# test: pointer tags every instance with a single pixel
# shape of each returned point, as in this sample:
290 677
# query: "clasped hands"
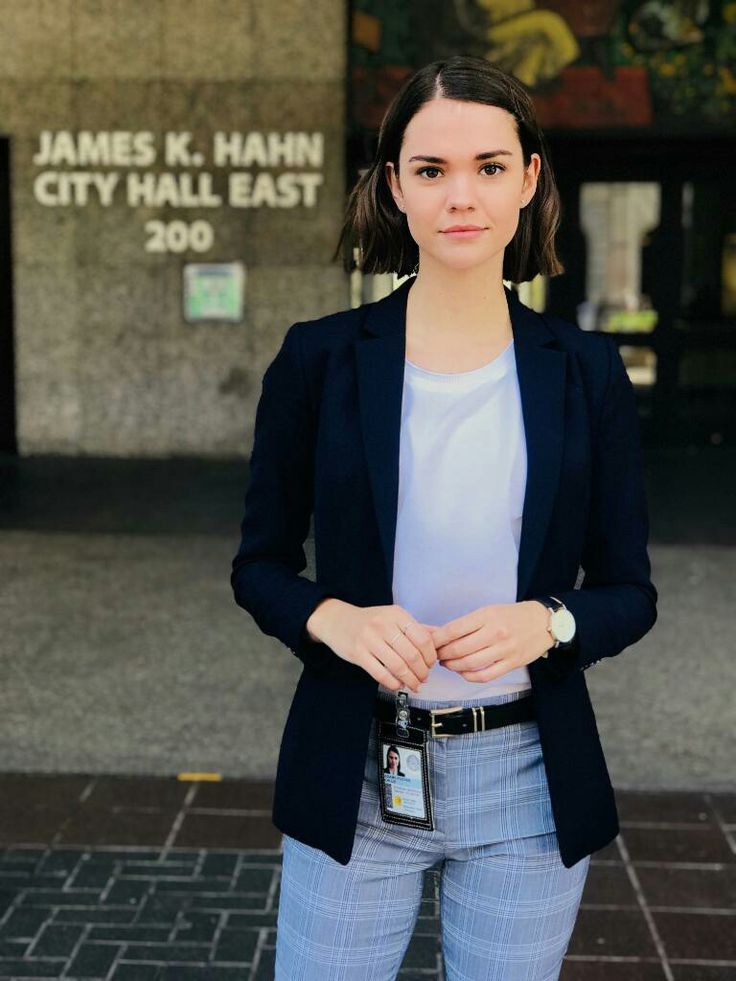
489 642
399 651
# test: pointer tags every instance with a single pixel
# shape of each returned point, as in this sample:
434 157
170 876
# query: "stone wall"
106 364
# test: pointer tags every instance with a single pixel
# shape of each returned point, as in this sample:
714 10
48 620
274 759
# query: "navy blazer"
326 442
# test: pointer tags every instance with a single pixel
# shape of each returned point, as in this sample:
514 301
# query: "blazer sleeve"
278 504
617 601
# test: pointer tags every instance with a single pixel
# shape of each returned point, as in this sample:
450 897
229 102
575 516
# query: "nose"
460 194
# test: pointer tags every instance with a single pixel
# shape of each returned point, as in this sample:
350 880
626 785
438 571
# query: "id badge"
403 776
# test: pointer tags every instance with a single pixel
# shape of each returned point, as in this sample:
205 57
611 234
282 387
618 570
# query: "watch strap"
552 603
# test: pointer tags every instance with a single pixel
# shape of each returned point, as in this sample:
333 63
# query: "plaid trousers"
507 903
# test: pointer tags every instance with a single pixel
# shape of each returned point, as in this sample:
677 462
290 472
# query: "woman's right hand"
361 635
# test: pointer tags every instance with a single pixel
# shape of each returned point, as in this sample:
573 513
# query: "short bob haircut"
379 230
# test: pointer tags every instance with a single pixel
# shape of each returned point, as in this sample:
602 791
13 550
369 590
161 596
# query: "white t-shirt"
462 477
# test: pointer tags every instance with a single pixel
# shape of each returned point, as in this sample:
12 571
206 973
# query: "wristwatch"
561 622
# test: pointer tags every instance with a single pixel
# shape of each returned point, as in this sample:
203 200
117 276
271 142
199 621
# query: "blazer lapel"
541 371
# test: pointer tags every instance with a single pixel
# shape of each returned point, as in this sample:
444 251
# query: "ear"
394 186
531 176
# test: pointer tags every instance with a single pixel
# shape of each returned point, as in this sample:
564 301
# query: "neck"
458 305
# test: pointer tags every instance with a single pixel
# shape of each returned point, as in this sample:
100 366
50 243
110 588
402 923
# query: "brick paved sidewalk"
141 879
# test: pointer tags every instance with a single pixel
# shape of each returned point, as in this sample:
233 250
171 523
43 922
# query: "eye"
423 170
499 167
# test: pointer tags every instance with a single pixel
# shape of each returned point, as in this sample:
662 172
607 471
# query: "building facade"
173 175
173 190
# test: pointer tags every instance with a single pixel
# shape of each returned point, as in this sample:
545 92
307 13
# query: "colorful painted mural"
664 66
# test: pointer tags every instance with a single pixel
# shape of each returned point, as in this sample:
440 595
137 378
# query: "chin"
461 263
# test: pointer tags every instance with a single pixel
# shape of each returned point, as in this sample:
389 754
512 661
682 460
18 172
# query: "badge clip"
402 713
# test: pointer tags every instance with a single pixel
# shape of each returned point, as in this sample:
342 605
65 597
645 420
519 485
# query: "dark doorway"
648 238
8 442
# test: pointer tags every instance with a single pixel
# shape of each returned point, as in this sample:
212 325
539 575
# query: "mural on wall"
663 65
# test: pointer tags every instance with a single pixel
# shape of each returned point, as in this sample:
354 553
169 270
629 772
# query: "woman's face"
455 188
393 761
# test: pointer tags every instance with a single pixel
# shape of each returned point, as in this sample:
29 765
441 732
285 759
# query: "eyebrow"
478 156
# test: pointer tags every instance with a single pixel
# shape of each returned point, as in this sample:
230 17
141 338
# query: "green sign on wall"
214 291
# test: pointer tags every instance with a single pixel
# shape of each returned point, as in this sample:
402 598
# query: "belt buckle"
442 711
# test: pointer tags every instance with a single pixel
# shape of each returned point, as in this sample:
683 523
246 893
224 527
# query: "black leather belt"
454 720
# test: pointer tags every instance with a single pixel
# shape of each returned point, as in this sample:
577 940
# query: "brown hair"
379 229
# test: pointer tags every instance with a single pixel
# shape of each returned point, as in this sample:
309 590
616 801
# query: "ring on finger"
401 631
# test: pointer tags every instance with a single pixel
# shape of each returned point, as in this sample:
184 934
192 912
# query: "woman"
393 762
463 457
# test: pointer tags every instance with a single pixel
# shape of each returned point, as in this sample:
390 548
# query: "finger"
397 665
489 673
401 674
472 662
469 644
381 674
420 636
454 629
411 653
405 678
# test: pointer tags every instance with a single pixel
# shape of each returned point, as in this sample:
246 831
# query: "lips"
463 228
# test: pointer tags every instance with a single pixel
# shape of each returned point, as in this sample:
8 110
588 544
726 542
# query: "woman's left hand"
492 640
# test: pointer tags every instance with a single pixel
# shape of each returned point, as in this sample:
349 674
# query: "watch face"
563 625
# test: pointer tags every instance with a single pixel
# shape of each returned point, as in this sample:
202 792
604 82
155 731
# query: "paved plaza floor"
126 662
149 878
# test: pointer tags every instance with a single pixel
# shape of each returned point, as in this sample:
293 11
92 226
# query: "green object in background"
214 291
641 321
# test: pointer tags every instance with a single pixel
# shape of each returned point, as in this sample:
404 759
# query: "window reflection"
616 219
641 364
728 276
